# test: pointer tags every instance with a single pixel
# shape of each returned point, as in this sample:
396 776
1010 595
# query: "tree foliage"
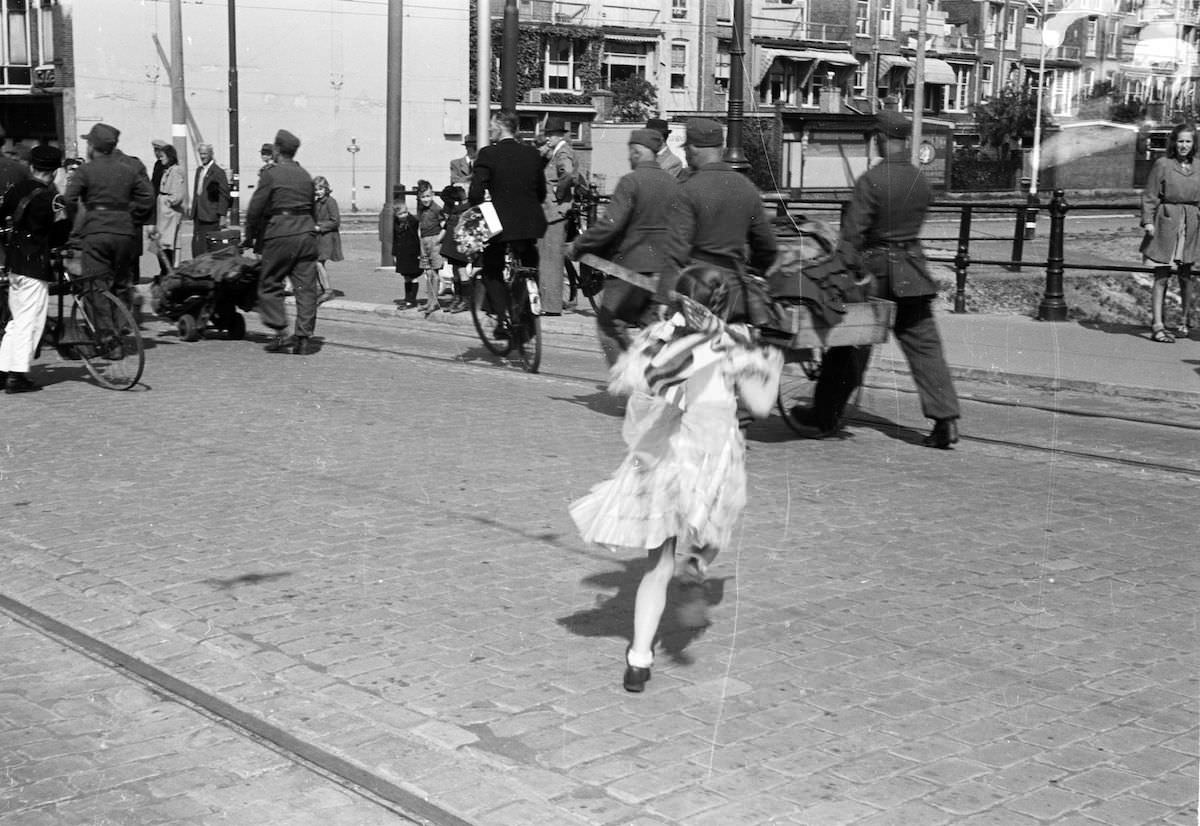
1010 115
634 99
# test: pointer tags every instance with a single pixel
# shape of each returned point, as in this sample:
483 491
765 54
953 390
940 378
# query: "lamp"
1051 39
353 150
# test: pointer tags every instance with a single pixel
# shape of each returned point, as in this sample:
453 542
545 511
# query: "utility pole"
178 100
737 90
508 57
919 83
392 186
483 72
235 193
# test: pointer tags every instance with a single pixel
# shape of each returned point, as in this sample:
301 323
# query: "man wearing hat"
560 193
210 199
632 234
461 168
718 218
116 198
36 227
882 226
281 225
667 159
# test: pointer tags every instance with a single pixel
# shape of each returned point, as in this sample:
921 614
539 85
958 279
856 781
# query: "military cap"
893 124
287 142
267 149
648 138
102 136
45 158
554 124
660 126
704 132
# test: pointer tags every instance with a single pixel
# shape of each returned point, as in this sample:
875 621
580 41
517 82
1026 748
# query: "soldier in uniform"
881 227
631 234
717 218
560 186
116 199
281 226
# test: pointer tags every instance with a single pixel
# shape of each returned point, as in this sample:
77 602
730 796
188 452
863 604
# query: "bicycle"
519 325
115 359
582 278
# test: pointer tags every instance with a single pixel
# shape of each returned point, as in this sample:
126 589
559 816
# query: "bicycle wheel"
115 360
526 324
486 321
800 369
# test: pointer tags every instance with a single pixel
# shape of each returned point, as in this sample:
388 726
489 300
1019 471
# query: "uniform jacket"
169 205
512 173
116 197
883 222
460 171
560 181
1170 202
210 196
633 230
282 205
38 228
329 237
718 217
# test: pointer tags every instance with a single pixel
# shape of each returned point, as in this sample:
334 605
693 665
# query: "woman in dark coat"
1171 221
329 239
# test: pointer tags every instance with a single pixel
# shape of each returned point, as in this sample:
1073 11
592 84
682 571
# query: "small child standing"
329 238
429 215
455 201
406 251
682 484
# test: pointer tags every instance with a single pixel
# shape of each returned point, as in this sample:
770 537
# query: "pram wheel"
235 327
189 328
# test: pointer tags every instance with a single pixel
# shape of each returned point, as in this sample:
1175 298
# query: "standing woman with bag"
1171 221
168 204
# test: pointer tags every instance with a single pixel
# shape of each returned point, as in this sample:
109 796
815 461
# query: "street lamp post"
1051 38
353 150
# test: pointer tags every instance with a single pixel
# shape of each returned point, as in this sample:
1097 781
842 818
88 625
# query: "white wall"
314 67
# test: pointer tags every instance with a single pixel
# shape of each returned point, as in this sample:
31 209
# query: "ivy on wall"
531 47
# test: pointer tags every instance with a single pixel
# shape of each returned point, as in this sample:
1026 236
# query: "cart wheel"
800 368
235 327
189 330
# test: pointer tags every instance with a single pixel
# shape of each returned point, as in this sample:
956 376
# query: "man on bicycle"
36 224
116 199
632 233
511 173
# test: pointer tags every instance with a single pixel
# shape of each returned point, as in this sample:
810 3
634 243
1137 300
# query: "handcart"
208 290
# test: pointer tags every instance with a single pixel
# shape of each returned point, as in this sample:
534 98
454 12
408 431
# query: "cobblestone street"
369 549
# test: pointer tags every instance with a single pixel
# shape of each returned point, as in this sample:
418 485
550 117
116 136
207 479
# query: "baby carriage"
209 290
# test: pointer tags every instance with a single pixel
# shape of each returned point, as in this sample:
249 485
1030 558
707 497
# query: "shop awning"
767 57
887 62
936 71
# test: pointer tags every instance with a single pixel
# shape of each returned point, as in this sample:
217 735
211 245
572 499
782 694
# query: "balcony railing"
1034 51
773 27
958 43
548 11
640 16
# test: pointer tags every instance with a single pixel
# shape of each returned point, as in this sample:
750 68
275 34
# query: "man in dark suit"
210 199
461 168
631 234
281 225
511 173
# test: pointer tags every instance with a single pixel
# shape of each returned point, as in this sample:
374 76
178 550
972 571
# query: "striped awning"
767 58
936 71
887 62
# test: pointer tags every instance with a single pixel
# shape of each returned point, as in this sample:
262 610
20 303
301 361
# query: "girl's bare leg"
1185 298
1158 297
650 602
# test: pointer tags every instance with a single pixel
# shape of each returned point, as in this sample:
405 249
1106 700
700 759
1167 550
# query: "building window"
46 53
560 64
862 18
1112 49
860 77
1010 28
621 61
887 23
721 67
678 65
1091 37
678 9
986 73
15 58
959 98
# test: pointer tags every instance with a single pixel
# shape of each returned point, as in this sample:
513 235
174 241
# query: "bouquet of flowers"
472 232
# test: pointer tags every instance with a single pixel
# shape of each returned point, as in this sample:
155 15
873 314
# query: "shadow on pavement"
599 402
684 620
1141 331
246 579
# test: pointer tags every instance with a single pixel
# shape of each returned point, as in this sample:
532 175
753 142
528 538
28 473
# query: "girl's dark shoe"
944 434
19 383
636 679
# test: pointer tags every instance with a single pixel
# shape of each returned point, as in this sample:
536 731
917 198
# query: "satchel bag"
902 269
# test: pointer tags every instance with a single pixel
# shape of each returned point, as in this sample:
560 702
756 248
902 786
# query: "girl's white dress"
684 475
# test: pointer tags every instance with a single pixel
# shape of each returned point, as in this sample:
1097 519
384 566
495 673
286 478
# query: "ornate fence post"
962 260
1053 307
